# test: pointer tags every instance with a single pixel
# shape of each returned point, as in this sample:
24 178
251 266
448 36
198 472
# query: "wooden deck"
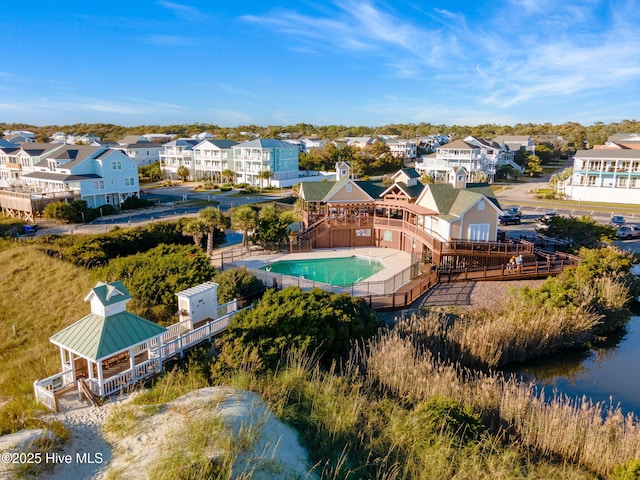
409 293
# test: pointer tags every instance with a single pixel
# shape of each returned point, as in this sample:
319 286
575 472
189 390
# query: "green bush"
628 471
237 283
132 203
314 321
154 277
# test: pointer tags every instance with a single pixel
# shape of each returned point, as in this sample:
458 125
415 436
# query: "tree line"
574 133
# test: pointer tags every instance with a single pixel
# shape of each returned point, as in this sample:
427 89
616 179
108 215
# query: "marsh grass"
489 339
595 436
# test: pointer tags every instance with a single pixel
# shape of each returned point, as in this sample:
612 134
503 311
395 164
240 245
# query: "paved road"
172 208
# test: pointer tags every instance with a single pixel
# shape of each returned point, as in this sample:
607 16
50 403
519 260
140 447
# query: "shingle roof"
464 200
607 154
60 177
484 189
315 191
372 189
443 195
96 337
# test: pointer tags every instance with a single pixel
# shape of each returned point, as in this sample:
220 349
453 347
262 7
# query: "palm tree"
214 219
227 175
197 229
264 175
244 218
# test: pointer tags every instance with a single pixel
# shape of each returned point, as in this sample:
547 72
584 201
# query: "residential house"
406 149
211 158
19 136
359 142
139 149
516 142
266 154
175 154
609 175
98 175
474 154
16 159
305 145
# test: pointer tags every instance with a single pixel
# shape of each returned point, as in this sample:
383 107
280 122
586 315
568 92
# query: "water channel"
609 374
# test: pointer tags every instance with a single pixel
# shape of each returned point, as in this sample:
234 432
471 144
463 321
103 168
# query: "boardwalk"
413 290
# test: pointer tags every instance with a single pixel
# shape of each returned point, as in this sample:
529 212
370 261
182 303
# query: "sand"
273 447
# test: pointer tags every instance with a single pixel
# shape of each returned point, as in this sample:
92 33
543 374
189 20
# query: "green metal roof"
96 337
110 293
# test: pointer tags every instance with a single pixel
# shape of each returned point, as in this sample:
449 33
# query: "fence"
363 289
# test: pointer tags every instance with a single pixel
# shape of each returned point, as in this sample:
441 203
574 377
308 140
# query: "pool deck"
394 260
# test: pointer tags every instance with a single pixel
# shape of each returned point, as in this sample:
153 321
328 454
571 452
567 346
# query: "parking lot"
531 215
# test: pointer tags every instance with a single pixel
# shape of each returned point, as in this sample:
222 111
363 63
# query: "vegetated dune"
214 429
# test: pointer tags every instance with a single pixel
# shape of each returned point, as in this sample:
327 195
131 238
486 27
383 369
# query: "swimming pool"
335 271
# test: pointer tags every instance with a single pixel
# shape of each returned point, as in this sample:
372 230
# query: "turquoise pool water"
335 271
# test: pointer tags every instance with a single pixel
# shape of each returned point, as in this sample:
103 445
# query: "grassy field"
42 295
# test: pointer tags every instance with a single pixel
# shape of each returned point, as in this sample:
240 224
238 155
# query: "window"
348 187
116 165
481 205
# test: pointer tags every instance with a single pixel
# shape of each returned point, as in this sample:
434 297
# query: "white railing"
173 342
178 345
45 389
129 377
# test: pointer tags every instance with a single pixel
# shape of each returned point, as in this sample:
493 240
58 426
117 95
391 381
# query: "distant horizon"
207 124
329 62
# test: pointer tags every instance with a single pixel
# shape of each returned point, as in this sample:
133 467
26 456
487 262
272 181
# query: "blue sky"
349 62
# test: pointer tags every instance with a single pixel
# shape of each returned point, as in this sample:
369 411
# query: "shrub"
154 277
313 321
132 203
237 283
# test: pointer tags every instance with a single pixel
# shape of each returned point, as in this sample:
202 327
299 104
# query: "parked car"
616 221
514 211
549 215
628 231
509 220
30 229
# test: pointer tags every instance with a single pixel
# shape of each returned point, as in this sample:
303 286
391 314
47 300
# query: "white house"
16 159
139 149
406 149
266 154
98 175
175 154
474 154
211 158
605 175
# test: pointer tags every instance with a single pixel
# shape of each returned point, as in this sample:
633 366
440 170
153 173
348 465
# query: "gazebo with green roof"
110 347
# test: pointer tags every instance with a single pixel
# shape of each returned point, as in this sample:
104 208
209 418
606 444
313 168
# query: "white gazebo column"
100 378
132 363
63 358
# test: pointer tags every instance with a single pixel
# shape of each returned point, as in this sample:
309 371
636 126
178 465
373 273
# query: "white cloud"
186 12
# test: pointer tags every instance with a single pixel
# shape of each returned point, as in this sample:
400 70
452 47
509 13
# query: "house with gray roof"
609 175
98 175
266 156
